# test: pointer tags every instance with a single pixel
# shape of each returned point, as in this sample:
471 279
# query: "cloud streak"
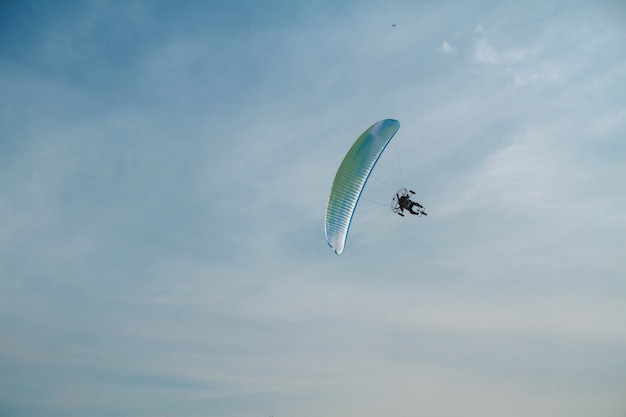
164 174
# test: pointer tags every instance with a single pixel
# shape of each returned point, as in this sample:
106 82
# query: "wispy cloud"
485 53
448 49
163 179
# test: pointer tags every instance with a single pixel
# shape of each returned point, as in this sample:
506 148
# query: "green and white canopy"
351 178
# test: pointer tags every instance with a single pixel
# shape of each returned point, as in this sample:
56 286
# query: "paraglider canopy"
351 177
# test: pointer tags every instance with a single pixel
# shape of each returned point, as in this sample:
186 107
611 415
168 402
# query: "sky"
164 174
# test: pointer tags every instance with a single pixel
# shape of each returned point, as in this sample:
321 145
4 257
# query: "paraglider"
351 178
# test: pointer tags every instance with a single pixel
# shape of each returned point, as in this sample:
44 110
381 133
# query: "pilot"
406 203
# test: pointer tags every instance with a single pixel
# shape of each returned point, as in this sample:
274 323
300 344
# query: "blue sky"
164 172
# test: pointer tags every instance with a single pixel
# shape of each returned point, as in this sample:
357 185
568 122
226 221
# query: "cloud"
448 49
484 53
163 213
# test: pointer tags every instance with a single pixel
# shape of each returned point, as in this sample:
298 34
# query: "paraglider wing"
351 178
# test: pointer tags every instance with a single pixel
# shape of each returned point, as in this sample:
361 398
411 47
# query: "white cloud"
520 79
172 248
448 49
484 52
